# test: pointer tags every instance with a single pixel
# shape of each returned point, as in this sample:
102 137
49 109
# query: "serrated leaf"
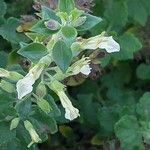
127 131
66 5
62 55
6 135
8 31
88 109
48 13
117 13
138 11
23 107
118 76
129 45
90 22
43 121
14 144
33 51
143 71
6 105
143 106
5 101
3 7
55 112
107 118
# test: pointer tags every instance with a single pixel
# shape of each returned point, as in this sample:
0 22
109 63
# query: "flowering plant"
61 56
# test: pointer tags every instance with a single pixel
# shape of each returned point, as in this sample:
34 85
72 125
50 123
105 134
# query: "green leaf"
23 108
127 131
3 7
62 55
118 76
6 135
138 11
35 36
88 109
69 34
48 13
145 127
90 22
55 112
33 51
107 118
123 97
5 101
40 27
117 13
7 86
6 105
143 107
146 4
15 144
3 59
143 71
66 5
43 121
8 31
129 45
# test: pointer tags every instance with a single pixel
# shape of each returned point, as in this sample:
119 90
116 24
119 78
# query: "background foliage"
115 101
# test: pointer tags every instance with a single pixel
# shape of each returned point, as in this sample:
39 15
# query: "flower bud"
44 105
15 76
14 123
52 24
6 86
41 90
4 73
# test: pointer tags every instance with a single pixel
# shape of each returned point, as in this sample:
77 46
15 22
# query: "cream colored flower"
25 85
101 41
71 112
34 136
81 66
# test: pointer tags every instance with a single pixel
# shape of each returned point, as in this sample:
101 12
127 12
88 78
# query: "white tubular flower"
81 66
70 111
25 85
101 41
4 73
34 136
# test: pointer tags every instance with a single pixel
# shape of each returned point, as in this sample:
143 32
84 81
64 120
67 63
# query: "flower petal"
71 115
91 43
24 86
86 70
109 44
